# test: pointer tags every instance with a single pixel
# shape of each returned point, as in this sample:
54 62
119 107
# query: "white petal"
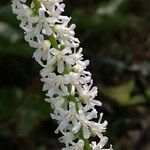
86 132
103 142
60 67
92 114
76 127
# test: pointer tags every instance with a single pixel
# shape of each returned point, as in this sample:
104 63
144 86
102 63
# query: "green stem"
53 41
86 141
86 145
36 7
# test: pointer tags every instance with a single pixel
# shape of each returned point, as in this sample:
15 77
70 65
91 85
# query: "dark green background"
115 36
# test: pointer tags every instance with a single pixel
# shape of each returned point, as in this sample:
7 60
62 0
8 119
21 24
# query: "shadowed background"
115 35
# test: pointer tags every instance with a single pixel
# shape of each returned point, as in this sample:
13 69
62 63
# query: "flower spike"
69 86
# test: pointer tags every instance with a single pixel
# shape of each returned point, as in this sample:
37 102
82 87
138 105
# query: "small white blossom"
76 146
52 5
60 58
66 35
56 85
101 144
56 103
47 70
44 23
17 6
29 32
98 128
43 49
84 122
67 138
65 117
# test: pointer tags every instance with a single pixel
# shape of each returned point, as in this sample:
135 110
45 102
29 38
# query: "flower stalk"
69 87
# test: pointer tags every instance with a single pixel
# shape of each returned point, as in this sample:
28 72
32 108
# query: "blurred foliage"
115 35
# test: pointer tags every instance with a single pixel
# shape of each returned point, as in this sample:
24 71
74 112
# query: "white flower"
66 35
25 12
47 70
80 66
44 23
52 5
29 32
60 58
84 122
56 103
43 49
60 115
87 92
76 146
67 138
79 79
100 145
98 128
65 117
78 56
17 6
92 104
56 85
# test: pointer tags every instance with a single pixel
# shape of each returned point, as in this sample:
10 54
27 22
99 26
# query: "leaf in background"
120 93
110 8
137 99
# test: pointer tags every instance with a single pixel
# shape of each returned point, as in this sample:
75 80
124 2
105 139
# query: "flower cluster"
69 87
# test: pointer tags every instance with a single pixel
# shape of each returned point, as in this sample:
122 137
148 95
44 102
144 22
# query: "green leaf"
120 93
